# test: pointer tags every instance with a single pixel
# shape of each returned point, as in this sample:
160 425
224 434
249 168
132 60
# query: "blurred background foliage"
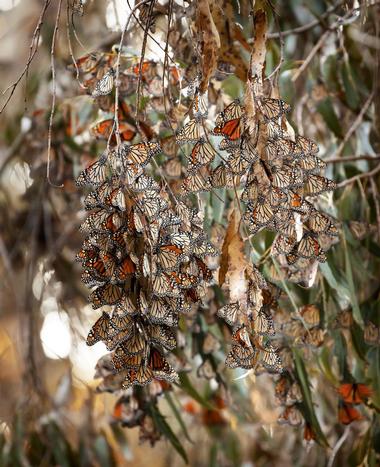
50 413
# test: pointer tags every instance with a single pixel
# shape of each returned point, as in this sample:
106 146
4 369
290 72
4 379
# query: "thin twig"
355 124
33 48
52 51
306 27
309 58
343 160
341 21
372 173
338 445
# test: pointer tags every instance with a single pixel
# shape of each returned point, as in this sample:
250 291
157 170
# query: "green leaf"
165 429
177 415
336 282
186 385
326 109
308 401
325 365
352 96
356 313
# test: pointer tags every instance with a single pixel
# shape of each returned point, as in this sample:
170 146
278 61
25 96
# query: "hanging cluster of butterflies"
281 178
97 71
143 258
277 176
280 175
302 330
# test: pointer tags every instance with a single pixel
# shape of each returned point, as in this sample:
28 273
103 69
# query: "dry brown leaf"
259 49
210 42
233 261
224 15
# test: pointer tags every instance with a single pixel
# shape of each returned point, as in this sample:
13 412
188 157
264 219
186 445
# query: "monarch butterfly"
115 339
298 204
95 174
227 144
232 112
125 269
104 129
204 270
102 220
86 63
126 306
108 294
286 177
169 257
153 206
315 185
290 416
229 313
135 344
311 164
260 216
105 85
161 335
310 314
206 370
202 154
242 357
354 393
120 320
270 295
194 183
95 199
204 248
241 336
141 153
274 130
100 330
144 182
148 69
86 253
271 360
307 146
163 286
262 323
348 414
279 149
160 367
272 109
161 312
98 266
236 163
183 280
122 361
169 146
230 129
309 247
169 220
190 133
321 223
173 168
140 377
282 245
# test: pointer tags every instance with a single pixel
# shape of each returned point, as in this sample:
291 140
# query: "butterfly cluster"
143 258
281 178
